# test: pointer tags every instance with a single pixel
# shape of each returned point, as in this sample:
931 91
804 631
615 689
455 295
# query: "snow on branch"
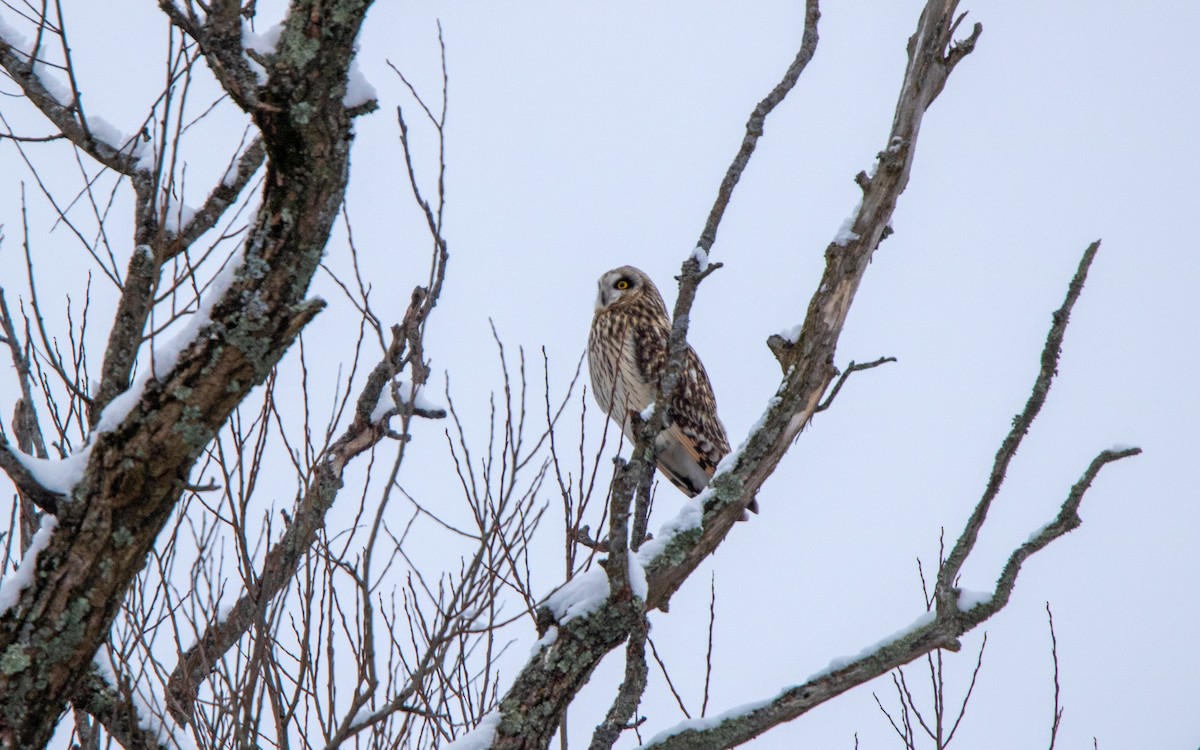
60 105
958 611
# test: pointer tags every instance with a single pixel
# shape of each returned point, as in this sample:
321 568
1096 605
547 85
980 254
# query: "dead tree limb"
952 615
138 464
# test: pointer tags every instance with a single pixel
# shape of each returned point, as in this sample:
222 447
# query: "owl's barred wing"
694 441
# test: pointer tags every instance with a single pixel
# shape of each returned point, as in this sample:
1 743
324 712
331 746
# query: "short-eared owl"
627 355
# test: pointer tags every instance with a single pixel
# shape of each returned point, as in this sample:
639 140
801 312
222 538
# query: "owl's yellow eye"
622 284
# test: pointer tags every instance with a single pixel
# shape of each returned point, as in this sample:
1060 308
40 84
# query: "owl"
627 355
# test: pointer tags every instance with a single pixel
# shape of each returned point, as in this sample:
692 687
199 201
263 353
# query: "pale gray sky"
587 136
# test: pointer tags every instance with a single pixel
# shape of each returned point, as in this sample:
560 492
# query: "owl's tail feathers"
688 487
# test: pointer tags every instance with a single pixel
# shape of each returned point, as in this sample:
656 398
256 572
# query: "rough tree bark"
137 470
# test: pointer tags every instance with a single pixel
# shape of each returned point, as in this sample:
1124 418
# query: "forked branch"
951 618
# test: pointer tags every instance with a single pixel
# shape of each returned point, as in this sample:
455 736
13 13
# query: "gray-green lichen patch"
677 551
14 660
302 113
295 48
254 267
190 427
346 13
121 537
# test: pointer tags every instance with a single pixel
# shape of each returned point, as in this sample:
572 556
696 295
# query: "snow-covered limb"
706 723
940 628
15 582
937 629
103 543
957 611
12 462
741 724
479 738
56 101
580 596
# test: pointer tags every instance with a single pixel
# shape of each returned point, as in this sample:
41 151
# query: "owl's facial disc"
612 285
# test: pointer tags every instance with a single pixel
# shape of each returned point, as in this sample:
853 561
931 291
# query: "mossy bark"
138 471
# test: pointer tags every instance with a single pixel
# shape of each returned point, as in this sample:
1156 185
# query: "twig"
756 123
851 369
1058 709
667 676
712 621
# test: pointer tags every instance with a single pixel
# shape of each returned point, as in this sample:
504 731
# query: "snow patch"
166 354
845 661
637 578
792 335
59 476
727 463
263 44
178 215
580 596
707 722
546 641
647 413
1037 532
846 233
479 738
57 88
147 154
700 255
968 599
359 90
689 517
14 38
16 582
105 131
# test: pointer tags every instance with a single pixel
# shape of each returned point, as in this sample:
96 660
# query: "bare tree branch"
137 471
949 572
115 712
66 117
951 618
1058 709
549 681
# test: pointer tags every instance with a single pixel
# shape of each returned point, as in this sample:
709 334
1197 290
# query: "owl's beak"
601 301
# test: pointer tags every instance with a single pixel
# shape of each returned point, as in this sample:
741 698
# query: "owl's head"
627 285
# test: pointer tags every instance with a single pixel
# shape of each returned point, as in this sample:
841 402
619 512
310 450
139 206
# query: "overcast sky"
587 136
